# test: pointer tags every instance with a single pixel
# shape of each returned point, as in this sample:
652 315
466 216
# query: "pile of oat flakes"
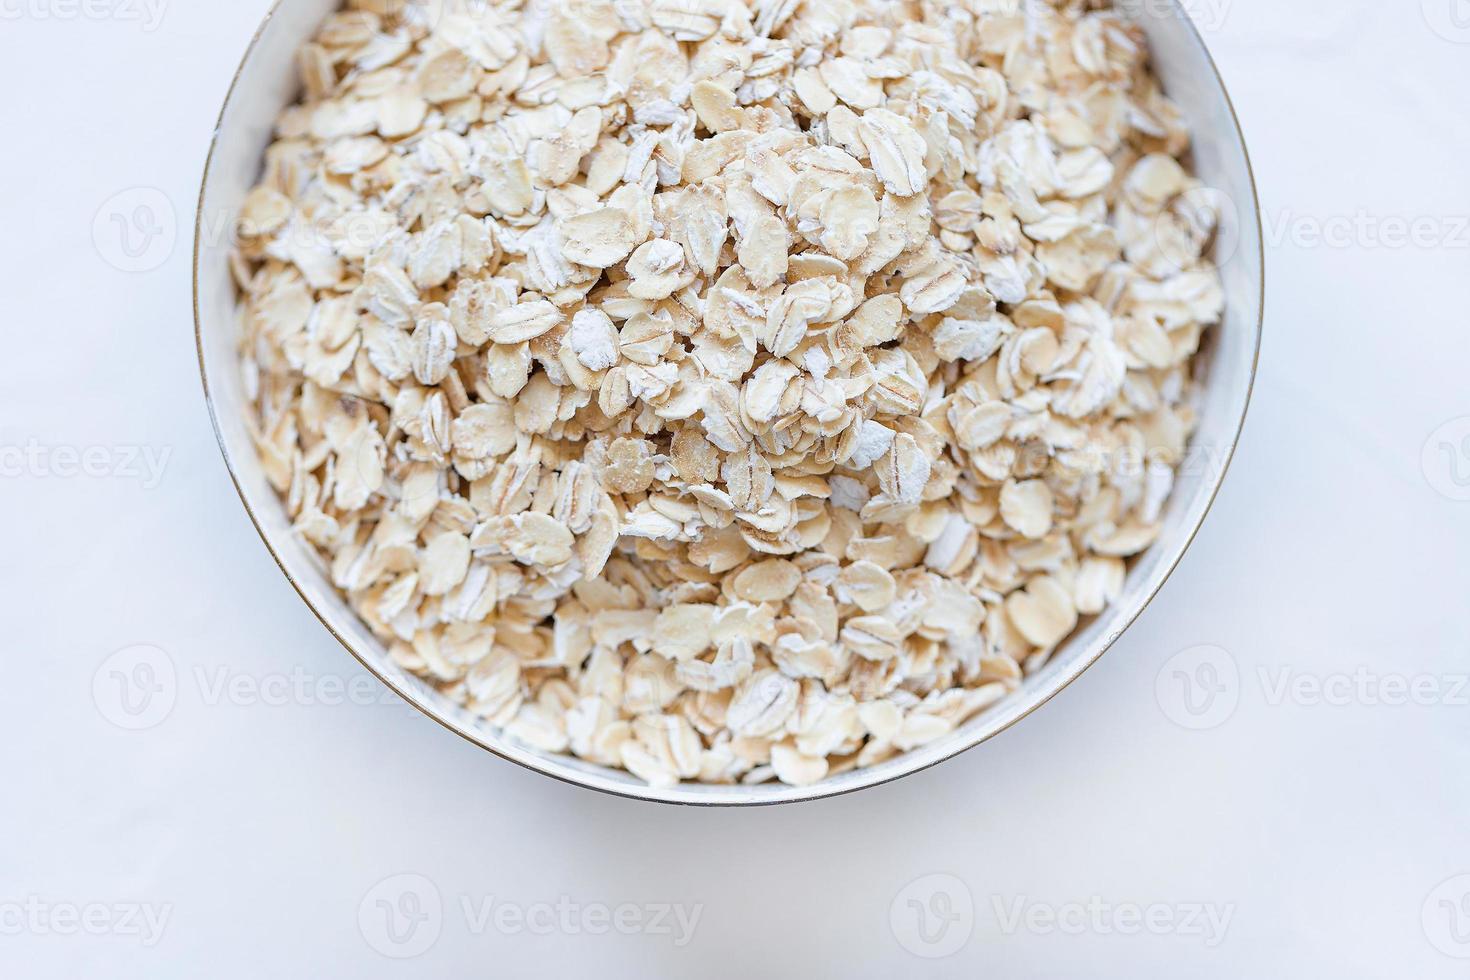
725 390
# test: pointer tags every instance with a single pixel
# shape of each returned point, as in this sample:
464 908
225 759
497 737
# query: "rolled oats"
726 390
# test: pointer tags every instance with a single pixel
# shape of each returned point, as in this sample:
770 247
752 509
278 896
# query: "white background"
1324 831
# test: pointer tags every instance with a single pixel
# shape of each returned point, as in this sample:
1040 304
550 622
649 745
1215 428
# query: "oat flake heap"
725 390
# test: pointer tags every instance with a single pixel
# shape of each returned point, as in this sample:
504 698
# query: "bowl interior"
266 83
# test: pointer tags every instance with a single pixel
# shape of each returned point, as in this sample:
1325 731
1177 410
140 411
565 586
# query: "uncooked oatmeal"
725 390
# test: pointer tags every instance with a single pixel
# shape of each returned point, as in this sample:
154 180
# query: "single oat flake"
726 390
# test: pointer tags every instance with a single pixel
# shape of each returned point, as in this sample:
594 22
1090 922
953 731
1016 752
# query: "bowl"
266 83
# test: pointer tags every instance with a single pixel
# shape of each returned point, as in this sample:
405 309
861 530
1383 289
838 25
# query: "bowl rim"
803 794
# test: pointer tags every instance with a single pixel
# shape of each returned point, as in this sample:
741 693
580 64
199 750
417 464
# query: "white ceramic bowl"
266 83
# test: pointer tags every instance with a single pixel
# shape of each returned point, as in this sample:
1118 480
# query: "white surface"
1330 834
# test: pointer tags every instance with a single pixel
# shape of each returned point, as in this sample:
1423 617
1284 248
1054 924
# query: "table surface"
273 814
